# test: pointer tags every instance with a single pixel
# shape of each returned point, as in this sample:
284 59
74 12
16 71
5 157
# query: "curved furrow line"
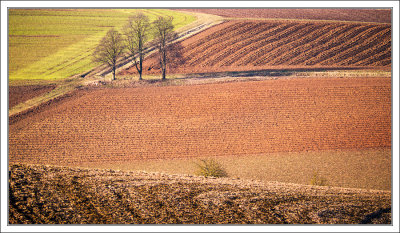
375 55
247 45
338 46
302 44
329 41
384 62
261 32
220 37
270 49
366 50
284 45
342 50
255 43
235 44
195 52
255 53
208 40
225 41
229 27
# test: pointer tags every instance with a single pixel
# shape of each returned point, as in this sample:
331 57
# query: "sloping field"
242 118
242 45
46 194
362 15
54 44
19 94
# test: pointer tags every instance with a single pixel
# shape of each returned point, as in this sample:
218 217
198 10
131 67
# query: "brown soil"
123 124
20 94
48 195
362 15
243 45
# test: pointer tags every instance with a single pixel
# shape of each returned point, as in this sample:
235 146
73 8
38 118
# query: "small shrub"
318 180
210 167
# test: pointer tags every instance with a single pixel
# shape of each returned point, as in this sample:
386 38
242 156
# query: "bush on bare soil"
318 180
210 167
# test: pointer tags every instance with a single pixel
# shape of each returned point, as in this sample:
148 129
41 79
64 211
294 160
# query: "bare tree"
136 32
164 34
111 48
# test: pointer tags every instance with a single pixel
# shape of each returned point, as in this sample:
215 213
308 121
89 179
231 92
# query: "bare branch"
110 48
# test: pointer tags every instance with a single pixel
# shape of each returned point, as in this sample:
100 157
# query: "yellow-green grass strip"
55 44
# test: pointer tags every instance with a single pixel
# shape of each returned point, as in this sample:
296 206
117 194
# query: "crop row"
264 44
208 120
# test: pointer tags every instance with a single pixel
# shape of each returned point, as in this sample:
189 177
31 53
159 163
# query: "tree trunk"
163 73
140 66
164 62
113 73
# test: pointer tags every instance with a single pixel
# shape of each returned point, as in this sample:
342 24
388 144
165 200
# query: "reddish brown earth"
20 94
363 15
242 45
121 124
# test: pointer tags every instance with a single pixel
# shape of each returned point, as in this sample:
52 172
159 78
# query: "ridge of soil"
243 45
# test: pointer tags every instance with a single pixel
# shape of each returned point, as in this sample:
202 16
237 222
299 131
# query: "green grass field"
52 44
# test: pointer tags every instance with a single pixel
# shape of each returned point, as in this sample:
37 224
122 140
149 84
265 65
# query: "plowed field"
62 195
240 45
120 124
362 15
19 94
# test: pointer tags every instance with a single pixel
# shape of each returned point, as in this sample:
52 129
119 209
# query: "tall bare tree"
110 48
136 33
164 34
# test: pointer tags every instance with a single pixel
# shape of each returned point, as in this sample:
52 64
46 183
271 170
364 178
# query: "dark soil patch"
20 94
61 195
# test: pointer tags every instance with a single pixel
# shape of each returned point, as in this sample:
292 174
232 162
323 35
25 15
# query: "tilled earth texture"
46 194
20 94
245 45
233 119
361 15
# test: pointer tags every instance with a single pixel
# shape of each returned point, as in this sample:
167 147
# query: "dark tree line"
135 41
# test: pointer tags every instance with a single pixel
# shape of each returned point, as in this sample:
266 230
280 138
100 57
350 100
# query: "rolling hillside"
242 45
60 195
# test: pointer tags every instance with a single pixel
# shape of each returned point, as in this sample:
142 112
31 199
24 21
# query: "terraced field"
243 118
241 45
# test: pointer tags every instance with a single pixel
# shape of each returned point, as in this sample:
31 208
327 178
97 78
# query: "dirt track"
122 124
241 45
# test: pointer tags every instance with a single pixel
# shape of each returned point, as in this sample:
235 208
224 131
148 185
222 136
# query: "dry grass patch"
366 169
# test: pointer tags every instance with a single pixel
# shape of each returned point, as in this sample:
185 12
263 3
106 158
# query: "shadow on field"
375 215
266 72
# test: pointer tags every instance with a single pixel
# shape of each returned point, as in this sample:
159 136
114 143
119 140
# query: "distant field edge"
373 15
